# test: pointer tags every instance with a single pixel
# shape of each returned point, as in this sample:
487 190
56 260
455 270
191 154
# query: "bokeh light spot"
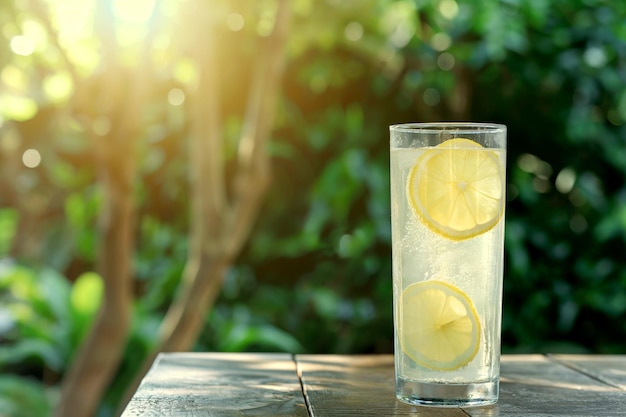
31 158
541 185
614 118
318 83
22 45
14 77
101 126
440 41
353 31
176 97
401 36
432 96
595 57
528 162
534 165
18 107
58 87
565 180
445 61
235 22
578 223
186 72
265 26
448 9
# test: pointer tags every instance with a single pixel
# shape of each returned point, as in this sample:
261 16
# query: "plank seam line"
584 371
307 403
465 411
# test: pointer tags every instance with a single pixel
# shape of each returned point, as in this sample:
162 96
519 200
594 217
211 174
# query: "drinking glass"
447 216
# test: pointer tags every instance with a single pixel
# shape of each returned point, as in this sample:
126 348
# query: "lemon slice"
440 329
457 189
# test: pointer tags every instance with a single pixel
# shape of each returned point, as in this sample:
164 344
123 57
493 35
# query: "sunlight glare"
72 18
135 11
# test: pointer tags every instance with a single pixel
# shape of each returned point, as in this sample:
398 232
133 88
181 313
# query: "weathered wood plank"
535 386
219 384
356 386
610 369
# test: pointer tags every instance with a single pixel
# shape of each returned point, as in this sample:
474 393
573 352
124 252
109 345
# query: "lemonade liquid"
474 265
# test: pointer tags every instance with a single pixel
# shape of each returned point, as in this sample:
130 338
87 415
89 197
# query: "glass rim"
438 127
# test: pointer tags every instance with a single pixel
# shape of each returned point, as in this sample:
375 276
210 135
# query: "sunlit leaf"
86 294
17 108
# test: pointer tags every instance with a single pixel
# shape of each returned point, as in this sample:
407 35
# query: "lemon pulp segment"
456 188
440 328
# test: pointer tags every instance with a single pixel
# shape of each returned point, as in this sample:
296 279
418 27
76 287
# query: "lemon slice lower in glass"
439 328
457 188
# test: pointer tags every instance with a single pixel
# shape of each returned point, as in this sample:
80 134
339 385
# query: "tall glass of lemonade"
447 215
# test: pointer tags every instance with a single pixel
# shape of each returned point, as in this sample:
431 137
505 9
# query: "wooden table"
253 384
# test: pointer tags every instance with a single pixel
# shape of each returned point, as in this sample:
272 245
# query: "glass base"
447 395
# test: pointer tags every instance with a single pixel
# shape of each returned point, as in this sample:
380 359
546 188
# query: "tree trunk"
116 93
98 357
219 227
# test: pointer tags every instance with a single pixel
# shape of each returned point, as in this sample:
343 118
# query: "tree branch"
253 173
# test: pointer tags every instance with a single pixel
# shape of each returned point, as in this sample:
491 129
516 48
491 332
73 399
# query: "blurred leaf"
8 226
267 338
22 397
81 211
28 349
56 290
326 302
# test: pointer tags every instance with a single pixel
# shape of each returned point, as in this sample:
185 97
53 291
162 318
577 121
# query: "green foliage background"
316 274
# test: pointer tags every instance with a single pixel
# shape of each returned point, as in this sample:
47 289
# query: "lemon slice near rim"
439 327
457 189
